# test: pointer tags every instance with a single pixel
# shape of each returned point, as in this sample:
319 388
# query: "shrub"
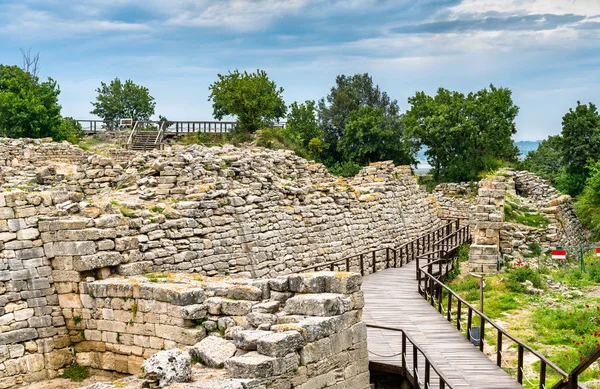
345 169
76 373
520 274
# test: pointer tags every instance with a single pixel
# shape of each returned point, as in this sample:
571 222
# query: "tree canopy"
349 94
464 134
253 98
118 100
28 107
580 145
546 161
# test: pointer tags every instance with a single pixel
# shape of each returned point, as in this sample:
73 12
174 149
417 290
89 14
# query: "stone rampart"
222 211
301 330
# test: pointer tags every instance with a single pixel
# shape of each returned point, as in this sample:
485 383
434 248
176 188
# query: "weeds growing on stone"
76 373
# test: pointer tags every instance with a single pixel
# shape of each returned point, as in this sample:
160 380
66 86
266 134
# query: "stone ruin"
108 260
482 206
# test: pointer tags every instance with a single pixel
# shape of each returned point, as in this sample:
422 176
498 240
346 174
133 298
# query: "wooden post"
481 333
499 349
543 375
469 322
374 260
362 270
520 364
458 310
415 365
449 316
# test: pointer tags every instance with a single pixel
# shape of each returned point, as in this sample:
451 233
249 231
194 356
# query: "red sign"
598 252
559 254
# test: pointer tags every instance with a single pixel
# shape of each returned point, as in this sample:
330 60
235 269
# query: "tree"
546 161
370 136
28 107
31 63
464 134
252 97
69 130
588 203
580 145
347 95
119 100
302 124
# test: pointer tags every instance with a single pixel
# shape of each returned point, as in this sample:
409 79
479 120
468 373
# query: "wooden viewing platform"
392 300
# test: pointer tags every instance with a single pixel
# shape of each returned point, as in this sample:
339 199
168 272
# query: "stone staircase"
145 140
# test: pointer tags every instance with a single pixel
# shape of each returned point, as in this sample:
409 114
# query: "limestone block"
324 304
266 307
255 365
169 367
244 292
193 312
247 340
280 343
213 351
136 268
17 336
74 248
96 261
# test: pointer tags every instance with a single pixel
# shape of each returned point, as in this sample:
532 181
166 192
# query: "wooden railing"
417 379
383 258
175 128
433 289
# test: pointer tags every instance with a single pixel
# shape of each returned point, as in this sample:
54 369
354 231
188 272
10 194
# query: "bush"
70 130
520 274
76 373
345 169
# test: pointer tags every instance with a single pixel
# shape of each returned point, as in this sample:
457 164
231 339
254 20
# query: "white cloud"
46 25
519 7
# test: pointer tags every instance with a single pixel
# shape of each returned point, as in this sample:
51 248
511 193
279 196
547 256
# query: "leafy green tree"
302 124
350 93
580 145
464 134
546 161
70 130
370 136
588 203
252 97
118 100
28 107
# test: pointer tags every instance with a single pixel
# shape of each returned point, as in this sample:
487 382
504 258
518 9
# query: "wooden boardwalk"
392 300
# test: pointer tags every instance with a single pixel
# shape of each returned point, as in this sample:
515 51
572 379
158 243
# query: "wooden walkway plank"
392 300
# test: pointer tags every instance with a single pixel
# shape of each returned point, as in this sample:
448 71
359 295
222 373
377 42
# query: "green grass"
516 213
563 328
76 373
89 143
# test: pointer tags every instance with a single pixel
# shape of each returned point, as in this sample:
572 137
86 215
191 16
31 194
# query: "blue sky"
546 51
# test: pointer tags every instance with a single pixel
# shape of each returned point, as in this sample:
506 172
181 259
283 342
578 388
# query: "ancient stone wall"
455 200
219 211
301 330
486 223
535 193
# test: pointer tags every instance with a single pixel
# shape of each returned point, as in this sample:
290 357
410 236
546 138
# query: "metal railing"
416 378
433 289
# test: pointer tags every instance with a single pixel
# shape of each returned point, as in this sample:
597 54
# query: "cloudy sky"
546 51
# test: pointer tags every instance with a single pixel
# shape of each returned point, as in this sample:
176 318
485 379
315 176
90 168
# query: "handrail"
435 287
158 139
444 380
130 139
409 250
571 381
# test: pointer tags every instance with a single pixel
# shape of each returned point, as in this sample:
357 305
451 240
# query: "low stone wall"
297 330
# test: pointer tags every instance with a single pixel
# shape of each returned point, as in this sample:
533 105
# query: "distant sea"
524 146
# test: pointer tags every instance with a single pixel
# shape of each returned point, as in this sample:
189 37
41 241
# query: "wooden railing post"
543 375
520 364
449 315
415 366
348 264
362 269
404 352
499 349
458 314
481 333
469 322
427 373
387 257
374 262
